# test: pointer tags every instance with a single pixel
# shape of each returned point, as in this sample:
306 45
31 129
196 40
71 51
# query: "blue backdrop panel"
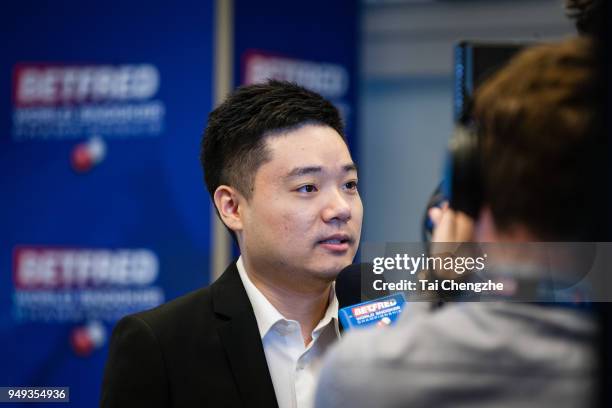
103 208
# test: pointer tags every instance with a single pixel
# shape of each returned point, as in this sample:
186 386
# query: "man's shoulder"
193 309
176 351
190 313
193 303
454 335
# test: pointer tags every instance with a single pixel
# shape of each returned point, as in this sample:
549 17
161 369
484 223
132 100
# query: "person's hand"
450 225
451 228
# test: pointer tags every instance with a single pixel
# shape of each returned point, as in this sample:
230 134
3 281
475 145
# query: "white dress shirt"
294 368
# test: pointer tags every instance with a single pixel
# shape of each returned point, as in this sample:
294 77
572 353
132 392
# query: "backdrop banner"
103 209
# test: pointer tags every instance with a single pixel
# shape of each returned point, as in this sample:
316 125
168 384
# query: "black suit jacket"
200 350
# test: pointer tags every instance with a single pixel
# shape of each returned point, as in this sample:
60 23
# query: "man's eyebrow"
350 167
302 171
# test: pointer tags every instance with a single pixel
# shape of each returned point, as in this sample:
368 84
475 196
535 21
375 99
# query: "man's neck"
304 302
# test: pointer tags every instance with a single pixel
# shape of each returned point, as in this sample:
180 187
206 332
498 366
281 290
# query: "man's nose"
336 207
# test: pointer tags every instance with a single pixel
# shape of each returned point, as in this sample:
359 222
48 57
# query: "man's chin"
330 271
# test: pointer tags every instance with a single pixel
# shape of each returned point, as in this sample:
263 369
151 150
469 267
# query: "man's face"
304 216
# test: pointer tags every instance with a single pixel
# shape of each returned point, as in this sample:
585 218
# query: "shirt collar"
331 315
267 315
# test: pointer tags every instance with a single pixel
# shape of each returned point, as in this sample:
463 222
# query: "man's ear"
229 205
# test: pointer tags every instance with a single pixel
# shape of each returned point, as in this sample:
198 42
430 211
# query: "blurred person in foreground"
540 151
280 174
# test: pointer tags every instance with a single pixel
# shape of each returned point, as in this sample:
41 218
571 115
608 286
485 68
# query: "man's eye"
308 188
351 185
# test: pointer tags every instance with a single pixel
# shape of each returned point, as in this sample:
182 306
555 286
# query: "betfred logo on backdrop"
67 101
328 79
52 85
57 268
76 284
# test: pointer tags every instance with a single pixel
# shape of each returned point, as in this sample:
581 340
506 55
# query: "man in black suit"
279 171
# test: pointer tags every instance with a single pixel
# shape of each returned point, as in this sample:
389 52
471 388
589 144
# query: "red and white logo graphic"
88 154
84 340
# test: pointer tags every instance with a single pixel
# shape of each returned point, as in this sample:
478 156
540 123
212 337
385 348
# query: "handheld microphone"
348 285
350 289
360 305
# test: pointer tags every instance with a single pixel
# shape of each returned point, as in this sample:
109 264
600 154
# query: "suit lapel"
240 337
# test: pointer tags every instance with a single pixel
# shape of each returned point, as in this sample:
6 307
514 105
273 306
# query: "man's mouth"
336 243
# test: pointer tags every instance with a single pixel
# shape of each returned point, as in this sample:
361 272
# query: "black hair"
233 144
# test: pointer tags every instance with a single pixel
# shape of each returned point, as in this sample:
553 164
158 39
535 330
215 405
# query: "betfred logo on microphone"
379 312
373 307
